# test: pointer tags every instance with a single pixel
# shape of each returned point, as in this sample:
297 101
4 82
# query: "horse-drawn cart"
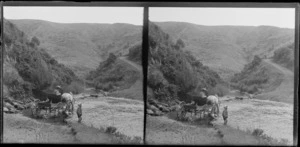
198 112
47 109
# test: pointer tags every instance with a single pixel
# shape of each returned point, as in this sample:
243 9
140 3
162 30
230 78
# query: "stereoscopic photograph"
220 76
152 73
73 75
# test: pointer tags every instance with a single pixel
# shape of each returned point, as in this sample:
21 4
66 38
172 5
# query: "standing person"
225 115
79 112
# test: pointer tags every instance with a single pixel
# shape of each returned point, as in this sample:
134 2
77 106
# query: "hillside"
120 76
174 73
284 89
285 56
226 49
266 79
81 46
27 66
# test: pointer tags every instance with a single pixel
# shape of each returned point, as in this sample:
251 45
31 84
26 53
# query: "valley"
183 59
226 49
82 46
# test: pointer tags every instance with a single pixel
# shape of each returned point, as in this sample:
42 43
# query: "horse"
69 99
214 101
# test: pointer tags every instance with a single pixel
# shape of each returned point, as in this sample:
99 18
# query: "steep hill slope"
173 72
82 46
27 66
285 56
226 49
120 76
266 79
284 85
135 91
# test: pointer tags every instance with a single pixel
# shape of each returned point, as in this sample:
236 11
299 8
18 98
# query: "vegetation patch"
252 78
173 73
271 141
285 56
113 74
28 67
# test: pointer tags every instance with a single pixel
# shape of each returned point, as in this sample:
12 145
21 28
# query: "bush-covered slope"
172 72
226 49
27 66
252 78
285 56
81 46
114 74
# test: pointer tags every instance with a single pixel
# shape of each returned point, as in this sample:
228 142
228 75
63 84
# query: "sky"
131 15
279 17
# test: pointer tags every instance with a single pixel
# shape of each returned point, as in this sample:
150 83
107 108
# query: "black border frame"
145 49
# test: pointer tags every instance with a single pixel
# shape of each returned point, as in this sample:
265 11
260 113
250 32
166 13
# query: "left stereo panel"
72 75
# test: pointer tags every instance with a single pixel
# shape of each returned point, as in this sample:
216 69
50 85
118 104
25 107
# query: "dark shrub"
258 132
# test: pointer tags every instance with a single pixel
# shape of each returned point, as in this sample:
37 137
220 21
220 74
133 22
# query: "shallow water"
275 118
125 114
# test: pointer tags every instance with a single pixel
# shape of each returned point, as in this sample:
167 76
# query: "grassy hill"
81 46
285 56
173 71
266 79
27 66
226 49
119 75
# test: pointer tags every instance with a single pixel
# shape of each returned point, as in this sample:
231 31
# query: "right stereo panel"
220 76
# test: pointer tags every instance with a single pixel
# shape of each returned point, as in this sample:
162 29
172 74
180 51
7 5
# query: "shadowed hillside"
27 66
285 56
81 46
226 49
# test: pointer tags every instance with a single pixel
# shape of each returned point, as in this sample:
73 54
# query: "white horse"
214 101
68 97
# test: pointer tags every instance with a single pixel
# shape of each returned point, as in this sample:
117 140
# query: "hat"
58 87
204 89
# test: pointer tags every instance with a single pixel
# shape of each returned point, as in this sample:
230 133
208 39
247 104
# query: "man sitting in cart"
58 90
203 93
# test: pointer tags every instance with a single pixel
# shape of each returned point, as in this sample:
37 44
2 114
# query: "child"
79 112
225 114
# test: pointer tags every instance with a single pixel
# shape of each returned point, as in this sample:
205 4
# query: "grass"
259 133
119 138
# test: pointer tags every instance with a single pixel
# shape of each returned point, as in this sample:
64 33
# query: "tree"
180 44
35 41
